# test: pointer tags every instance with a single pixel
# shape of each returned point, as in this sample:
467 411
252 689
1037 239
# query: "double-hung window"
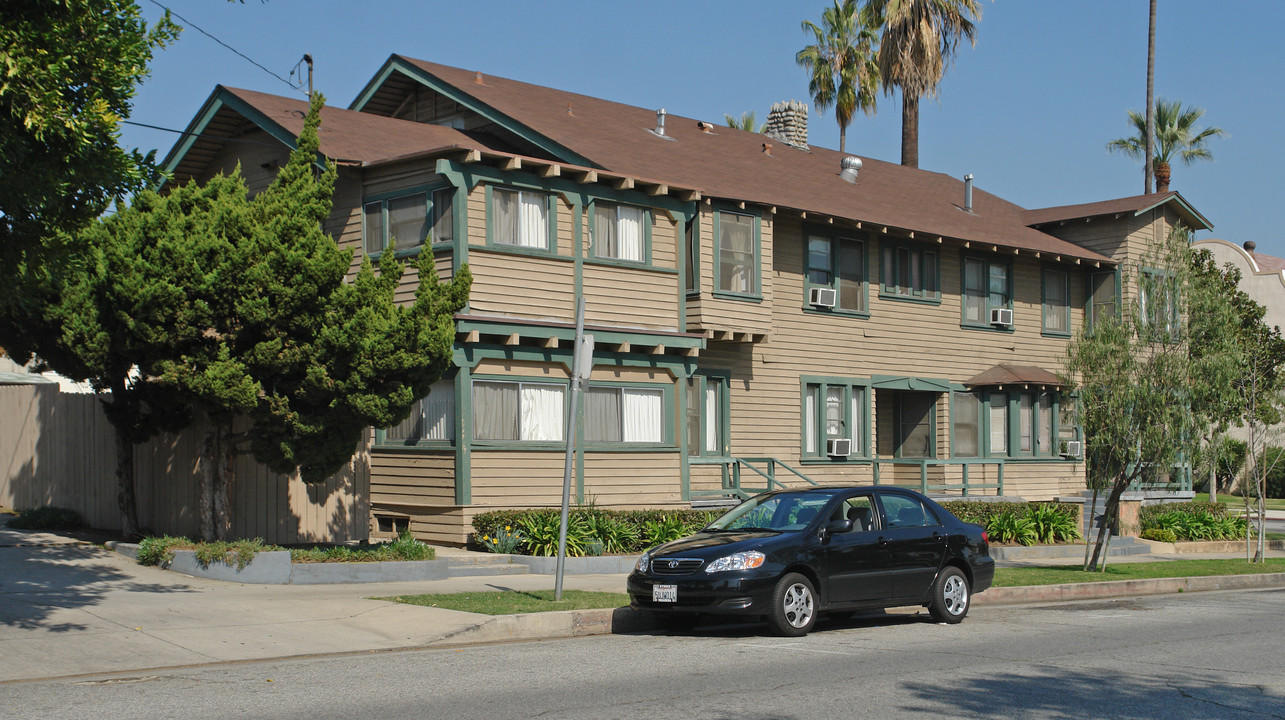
431 419
518 411
910 273
1102 296
406 222
619 232
1034 434
624 415
988 285
1057 303
966 419
833 410
520 218
691 250
838 263
1158 304
706 433
737 253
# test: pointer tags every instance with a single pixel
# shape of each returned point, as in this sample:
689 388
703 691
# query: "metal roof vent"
968 192
660 126
1249 245
851 165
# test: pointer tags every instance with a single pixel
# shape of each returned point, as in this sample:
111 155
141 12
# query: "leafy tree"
842 63
918 41
1176 137
1135 378
747 121
68 69
278 354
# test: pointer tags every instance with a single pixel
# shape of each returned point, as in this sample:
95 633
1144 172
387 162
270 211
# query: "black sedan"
790 555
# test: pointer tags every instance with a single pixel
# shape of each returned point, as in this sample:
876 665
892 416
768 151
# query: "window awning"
896 382
1006 374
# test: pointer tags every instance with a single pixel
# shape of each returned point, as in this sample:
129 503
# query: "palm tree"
842 63
747 121
1176 137
918 42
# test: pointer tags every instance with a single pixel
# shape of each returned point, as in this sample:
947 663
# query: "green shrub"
1193 521
159 551
619 531
1160 535
48 518
615 535
1273 459
543 528
1011 527
505 541
1226 457
1052 522
404 548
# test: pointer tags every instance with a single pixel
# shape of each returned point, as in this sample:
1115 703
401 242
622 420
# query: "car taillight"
986 538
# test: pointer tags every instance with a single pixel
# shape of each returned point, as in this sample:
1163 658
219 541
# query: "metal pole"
572 415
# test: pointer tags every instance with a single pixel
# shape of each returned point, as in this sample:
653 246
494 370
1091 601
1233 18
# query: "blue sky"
1028 111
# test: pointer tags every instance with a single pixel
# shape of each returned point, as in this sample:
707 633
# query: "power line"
238 52
217 138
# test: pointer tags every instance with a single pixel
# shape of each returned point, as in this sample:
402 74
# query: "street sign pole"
581 367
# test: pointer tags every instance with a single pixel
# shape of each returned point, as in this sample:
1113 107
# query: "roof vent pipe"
1250 245
660 121
968 192
851 165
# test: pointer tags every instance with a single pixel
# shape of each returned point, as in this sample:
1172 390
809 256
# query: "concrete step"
480 569
1120 547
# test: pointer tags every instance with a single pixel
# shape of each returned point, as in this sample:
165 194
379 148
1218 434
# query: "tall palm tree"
1151 95
1176 137
747 121
918 42
842 63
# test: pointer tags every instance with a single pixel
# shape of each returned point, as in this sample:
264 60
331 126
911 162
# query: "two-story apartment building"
760 307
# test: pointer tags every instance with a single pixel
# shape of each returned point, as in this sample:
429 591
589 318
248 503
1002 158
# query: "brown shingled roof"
1009 374
728 163
1134 204
346 135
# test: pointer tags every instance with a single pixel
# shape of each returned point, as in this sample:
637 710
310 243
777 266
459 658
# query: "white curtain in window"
374 218
999 425
810 419
630 233
711 418
736 251
439 411
857 414
1044 430
642 415
834 412
974 284
495 411
408 220
505 222
604 230
542 412
1025 422
535 221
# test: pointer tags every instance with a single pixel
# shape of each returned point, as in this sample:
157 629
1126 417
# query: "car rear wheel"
793 611
951 596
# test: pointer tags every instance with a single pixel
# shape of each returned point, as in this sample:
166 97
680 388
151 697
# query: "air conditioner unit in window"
1072 448
838 447
821 297
1002 316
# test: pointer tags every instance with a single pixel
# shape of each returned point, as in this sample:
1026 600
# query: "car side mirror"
838 526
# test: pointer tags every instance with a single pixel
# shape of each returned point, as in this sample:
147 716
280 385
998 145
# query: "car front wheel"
951 596
794 609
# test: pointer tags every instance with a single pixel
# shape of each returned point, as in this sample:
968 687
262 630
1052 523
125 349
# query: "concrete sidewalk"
68 607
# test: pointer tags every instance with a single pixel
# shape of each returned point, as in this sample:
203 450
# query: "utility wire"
216 138
238 52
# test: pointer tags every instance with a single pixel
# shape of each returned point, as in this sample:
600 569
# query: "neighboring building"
1262 277
759 306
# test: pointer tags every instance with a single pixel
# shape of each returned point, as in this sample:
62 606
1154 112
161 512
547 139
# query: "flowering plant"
504 540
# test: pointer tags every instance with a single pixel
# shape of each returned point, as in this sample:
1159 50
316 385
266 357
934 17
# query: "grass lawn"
514 602
1235 501
1058 574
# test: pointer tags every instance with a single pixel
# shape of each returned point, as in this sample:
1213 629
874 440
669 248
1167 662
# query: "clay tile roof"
728 163
1269 263
1135 204
1008 374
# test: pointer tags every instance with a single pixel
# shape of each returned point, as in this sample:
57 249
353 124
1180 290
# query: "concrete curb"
1124 588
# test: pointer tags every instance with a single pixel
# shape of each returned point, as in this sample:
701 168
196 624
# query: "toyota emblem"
673 564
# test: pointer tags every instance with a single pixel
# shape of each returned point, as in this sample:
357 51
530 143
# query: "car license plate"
664 593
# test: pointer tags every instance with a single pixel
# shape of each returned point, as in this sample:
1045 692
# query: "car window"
902 511
784 512
860 510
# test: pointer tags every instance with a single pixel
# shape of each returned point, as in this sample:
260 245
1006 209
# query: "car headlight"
739 561
643 562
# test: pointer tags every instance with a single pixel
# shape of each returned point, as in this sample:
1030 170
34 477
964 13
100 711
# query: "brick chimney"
788 122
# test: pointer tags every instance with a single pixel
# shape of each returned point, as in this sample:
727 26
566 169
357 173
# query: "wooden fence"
58 449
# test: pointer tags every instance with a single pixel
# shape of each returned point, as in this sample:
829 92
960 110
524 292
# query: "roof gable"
1137 205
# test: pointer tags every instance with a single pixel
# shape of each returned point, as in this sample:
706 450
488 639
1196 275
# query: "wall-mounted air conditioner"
1002 316
1072 448
838 447
821 297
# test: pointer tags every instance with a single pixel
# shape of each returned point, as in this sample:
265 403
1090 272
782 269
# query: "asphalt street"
1193 656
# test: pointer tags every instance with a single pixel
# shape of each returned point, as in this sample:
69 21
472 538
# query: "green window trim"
853 391
699 382
977 420
909 272
381 434
756 260
986 299
831 275
692 256
1009 403
1093 300
1050 309
432 196
593 255
551 218
668 441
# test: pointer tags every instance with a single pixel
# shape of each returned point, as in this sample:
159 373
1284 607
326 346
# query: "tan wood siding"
707 312
633 480
522 286
509 479
255 150
628 297
415 478
520 368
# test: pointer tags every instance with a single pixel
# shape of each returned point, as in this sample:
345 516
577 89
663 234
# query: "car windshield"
780 512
